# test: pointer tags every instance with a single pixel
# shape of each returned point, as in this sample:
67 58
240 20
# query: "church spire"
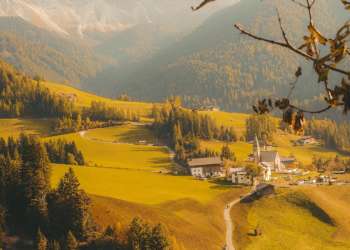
257 149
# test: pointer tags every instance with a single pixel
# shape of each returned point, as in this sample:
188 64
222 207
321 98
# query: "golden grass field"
84 99
302 218
14 127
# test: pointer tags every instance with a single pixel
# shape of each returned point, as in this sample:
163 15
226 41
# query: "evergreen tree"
40 241
158 240
71 242
69 208
54 245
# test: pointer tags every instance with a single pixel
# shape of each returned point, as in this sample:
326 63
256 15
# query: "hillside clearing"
303 224
106 152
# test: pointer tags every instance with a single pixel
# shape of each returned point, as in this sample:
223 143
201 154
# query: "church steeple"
257 152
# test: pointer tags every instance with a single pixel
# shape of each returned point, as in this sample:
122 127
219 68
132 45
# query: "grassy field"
193 225
14 127
236 120
126 133
84 99
140 186
293 220
105 152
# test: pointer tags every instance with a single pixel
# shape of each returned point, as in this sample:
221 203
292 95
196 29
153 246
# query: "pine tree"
40 241
71 242
158 240
54 245
69 208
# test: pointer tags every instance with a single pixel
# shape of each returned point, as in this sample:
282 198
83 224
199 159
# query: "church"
267 158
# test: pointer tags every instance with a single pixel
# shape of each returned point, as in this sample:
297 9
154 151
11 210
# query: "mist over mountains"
80 17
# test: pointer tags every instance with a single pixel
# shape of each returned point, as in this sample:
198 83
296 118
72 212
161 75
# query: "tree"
54 245
158 239
69 208
71 242
40 241
327 56
226 153
253 169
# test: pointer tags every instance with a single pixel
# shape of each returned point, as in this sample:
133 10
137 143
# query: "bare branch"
292 48
202 4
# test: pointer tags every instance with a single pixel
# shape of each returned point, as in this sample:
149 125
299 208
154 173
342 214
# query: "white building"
206 167
240 176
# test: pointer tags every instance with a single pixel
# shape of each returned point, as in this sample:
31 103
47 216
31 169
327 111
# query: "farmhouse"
206 167
306 140
240 176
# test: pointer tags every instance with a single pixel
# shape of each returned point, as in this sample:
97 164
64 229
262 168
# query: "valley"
126 173
156 125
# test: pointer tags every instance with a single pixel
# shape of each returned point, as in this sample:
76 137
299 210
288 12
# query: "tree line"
335 135
57 218
58 151
182 128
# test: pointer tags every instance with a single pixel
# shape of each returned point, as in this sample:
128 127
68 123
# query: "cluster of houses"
267 158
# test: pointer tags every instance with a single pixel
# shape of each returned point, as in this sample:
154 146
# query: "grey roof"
236 170
268 156
204 162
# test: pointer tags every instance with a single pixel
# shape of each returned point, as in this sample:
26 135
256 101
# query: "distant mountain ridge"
215 64
40 52
79 17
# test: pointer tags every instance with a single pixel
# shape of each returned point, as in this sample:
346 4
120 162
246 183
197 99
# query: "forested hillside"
40 52
216 65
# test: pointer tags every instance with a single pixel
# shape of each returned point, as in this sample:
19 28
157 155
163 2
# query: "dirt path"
229 224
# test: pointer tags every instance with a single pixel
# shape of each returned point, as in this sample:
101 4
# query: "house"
306 140
240 176
206 167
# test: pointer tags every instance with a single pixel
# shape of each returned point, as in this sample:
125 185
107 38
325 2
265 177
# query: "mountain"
79 31
84 16
215 64
39 52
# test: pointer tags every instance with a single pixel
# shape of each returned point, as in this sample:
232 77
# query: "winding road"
229 224
228 220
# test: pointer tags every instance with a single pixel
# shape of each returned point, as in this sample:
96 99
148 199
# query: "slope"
215 64
40 52
311 219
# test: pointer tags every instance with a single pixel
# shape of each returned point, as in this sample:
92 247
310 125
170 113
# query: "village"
266 165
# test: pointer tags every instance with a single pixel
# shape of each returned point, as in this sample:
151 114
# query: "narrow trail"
228 220
229 224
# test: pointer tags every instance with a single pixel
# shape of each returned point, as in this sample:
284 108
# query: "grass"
241 149
104 152
186 220
84 99
127 133
14 127
236 120
303 224
140 186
